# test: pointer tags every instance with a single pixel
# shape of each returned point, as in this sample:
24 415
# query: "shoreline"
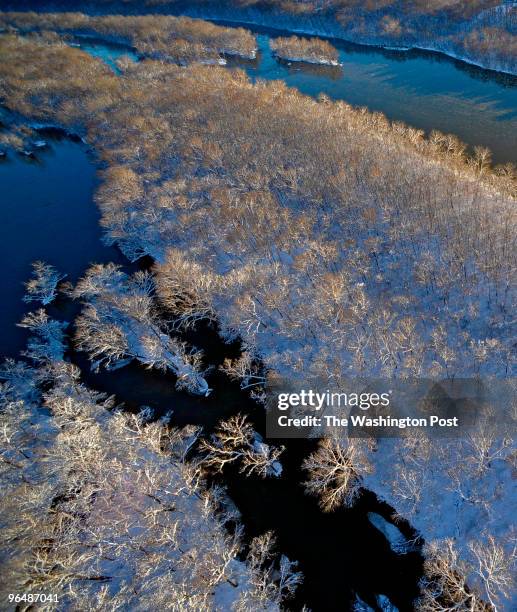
314 32
268 22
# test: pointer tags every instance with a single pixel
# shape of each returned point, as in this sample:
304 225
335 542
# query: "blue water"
108 52
425 90
47 213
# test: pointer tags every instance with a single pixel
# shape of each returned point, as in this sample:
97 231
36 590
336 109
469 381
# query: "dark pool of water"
47 213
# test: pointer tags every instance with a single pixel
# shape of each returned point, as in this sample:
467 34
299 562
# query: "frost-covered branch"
495 569
48 340
43 286
245 370
335 471
443 586
99 507
269 580
235 442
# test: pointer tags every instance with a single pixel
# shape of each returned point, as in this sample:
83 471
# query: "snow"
385 604
118 325
43 286
261 448
396 539
147 513
334 33
452 500
308 60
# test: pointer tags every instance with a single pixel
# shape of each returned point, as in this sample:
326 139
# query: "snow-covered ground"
436 487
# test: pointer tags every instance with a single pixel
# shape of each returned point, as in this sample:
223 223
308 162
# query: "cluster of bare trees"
177 39
444 585
479 30
100 508
236 443
468 480
271 581
46 342
42 287
119 323
313 50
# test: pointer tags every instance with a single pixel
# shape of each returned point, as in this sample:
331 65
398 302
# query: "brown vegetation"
453 26
313 50
292 219
177 39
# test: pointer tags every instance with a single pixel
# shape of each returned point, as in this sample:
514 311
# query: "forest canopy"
178 39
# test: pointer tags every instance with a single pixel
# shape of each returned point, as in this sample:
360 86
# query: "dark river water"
49 214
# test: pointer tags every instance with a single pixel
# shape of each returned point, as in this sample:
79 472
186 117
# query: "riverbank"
324 25
324 33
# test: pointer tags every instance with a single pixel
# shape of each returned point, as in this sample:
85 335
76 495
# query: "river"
424 89
47 213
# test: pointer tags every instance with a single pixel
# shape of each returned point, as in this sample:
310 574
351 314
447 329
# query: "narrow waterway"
341 553
425 89
108 51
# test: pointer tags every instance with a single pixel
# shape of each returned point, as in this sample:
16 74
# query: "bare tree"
245 369
335 471
48 340
272 579
443 586
495 569
119 324
235 442
43 286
